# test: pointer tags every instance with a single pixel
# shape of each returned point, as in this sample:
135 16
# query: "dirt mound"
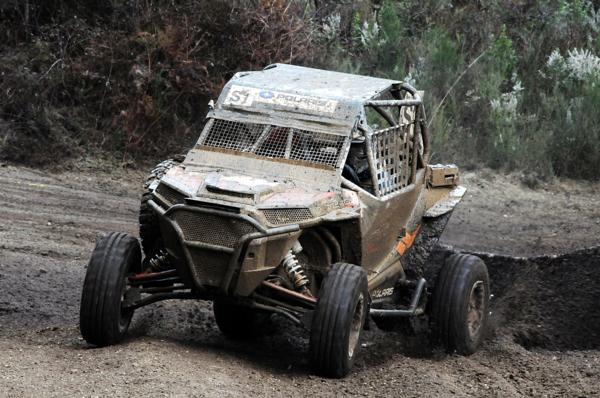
548 301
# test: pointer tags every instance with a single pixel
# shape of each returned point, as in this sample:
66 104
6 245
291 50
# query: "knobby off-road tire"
102 320
338 321
149 224
237 322
460 303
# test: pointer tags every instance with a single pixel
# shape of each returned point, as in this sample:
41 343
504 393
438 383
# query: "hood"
261 193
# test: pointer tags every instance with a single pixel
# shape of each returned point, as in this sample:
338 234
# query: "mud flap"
417 262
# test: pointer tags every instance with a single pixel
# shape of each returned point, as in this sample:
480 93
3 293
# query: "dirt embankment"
500 214
548 302
545 340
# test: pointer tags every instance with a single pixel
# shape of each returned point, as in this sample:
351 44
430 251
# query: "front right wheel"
338 321
103 318
460 306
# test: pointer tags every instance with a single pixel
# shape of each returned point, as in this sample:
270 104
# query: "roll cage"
380 153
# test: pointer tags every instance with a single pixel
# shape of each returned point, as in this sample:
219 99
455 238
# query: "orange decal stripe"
407 241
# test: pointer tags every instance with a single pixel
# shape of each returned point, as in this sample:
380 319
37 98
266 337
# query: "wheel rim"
356 325
125 313
476 308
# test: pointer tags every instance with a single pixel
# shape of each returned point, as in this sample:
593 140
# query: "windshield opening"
274 142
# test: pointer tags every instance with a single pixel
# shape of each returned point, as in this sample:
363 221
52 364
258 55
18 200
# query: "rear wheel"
338 320
236 321
102 318
460 304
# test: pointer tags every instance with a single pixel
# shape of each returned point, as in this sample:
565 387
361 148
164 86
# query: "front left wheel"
339 319
103 320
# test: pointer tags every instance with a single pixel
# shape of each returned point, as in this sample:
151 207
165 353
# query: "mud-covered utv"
302 198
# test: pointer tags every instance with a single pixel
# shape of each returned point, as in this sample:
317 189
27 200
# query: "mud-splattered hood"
261 194
239 185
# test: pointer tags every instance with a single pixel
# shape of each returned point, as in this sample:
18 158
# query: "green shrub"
569 113
491 96
508 84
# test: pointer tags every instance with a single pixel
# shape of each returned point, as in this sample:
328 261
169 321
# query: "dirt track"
546 340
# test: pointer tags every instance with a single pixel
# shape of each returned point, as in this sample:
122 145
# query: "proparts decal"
248 96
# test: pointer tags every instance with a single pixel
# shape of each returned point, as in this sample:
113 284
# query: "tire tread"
328 335
114 255
449 300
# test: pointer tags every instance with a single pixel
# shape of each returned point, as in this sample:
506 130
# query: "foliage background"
509 84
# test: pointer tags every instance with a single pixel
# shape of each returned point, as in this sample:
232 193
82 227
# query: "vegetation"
129 78
508 84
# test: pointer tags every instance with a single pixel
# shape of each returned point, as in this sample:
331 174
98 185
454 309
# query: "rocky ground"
545 340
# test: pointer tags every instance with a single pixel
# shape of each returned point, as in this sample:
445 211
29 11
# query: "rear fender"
441 201
443 191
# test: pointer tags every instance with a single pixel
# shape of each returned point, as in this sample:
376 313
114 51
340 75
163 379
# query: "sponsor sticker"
379 293
248 96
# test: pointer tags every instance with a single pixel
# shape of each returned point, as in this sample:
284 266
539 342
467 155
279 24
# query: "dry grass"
134 81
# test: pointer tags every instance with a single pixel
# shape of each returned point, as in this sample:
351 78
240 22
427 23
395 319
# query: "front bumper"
225 250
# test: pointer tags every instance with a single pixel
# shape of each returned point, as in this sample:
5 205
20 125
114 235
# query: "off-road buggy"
303 197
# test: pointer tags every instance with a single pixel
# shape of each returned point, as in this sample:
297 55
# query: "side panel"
383 220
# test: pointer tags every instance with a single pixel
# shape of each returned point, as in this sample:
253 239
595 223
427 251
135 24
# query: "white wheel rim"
476 308
356 325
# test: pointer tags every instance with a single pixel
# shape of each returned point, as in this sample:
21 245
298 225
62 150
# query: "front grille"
287 216
211 229
208 266
170 195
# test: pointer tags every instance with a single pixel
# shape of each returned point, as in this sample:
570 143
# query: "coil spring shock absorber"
159 262
294 270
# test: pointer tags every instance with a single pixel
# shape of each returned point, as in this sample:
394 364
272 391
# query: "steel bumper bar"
237 253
